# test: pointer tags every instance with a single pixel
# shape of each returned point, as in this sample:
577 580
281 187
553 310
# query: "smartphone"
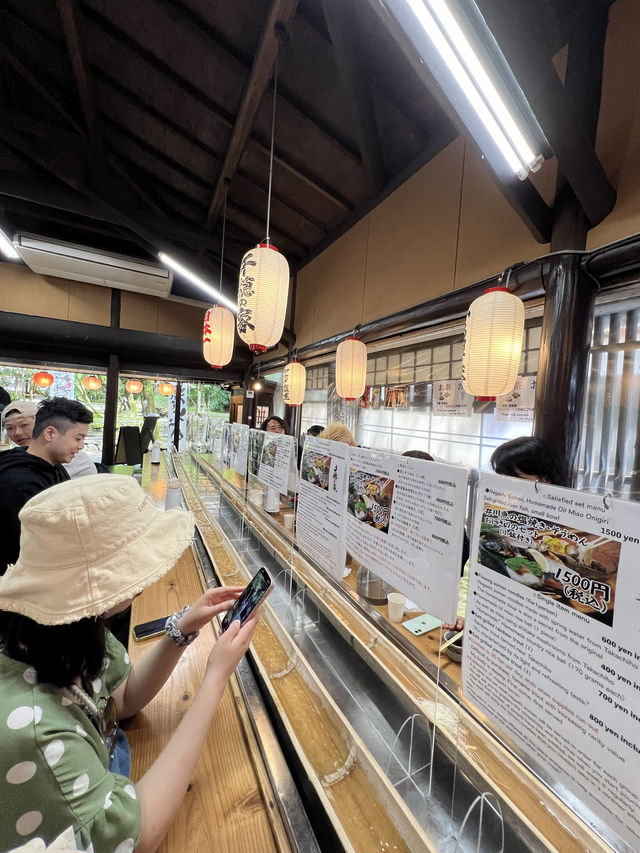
150 629
255 592
422 624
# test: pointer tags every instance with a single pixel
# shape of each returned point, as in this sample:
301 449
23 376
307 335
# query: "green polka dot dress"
54 764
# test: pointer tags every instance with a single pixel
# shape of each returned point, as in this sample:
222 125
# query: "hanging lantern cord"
224 225
273 129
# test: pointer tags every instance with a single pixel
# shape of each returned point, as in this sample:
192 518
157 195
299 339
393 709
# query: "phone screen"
150 629
253 594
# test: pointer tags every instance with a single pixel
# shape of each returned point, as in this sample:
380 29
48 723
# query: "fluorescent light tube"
194 279
467 70
7 248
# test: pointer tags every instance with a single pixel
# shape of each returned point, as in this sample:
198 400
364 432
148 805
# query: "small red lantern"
134 386
43 379
92 383
166 389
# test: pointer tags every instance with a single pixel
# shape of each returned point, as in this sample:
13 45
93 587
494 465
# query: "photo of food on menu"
574 567
315 469
370 499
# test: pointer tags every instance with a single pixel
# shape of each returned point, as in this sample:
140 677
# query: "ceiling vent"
81 263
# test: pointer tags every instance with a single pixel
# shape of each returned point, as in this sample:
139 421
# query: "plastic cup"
396 602
174 494
289 519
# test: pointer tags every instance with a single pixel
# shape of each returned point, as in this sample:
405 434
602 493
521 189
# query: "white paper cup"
396 602
289 519
173 497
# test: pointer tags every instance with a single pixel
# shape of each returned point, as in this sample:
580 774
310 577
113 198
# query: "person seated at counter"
314 431
339 432
59 431
274 424
527 458
88 547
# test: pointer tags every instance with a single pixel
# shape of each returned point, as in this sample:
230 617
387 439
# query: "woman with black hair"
529 458
88 547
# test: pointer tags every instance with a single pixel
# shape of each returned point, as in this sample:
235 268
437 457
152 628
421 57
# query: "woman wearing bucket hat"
87 547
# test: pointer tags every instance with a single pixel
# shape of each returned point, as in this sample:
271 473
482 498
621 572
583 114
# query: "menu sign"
450 398
405 522
275 461
216 443
518 406
239 448
552 648
320 519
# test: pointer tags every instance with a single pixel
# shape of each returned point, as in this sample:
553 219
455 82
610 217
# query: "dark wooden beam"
556 112
343 30
67 9
39 86
281 13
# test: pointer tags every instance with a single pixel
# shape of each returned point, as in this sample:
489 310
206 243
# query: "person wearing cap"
19 419
59 431
88 547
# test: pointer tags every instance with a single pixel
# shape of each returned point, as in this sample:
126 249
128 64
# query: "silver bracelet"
175 633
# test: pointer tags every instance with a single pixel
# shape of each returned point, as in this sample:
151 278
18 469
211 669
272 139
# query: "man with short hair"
59 432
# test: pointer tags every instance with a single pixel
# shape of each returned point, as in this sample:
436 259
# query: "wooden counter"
228 806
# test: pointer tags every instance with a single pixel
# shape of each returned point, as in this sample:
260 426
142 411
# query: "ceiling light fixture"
477 71
176 266
7 248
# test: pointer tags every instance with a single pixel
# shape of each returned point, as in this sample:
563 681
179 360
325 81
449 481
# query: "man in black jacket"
60 429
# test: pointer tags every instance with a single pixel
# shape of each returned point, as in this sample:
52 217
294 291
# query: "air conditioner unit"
82 263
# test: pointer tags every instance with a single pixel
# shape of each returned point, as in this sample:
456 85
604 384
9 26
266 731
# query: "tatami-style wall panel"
176 318
24 292
139 312
89 303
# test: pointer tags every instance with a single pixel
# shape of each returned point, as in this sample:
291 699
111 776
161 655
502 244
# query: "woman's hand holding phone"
231 645
212 603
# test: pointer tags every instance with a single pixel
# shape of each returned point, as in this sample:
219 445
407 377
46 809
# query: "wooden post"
110 411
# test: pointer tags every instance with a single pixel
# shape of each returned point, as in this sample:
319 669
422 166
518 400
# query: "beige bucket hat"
88 545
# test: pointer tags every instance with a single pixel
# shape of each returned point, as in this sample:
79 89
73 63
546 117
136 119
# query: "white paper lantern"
351 369
294 383
218 336
262 297
492 343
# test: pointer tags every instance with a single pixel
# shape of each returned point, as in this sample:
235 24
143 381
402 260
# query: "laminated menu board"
321 502
275 461
216 443
405 522
235 450
552 643
450 398
518 406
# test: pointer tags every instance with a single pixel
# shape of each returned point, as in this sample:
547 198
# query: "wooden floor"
228 806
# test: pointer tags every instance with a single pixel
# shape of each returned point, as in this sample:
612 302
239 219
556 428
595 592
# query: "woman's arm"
162 788
150 673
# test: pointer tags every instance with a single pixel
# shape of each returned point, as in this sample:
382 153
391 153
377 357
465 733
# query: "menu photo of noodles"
575 567
370 497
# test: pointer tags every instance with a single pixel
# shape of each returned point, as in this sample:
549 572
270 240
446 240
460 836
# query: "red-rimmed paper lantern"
492 343
294 383
263 291
218 336
133 386
351 369
92 383
166 389
43 379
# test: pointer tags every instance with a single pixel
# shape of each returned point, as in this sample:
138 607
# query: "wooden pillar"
176 422
564 352
110 411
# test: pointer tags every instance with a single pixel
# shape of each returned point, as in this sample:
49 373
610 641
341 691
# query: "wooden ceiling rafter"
348 56
281 13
